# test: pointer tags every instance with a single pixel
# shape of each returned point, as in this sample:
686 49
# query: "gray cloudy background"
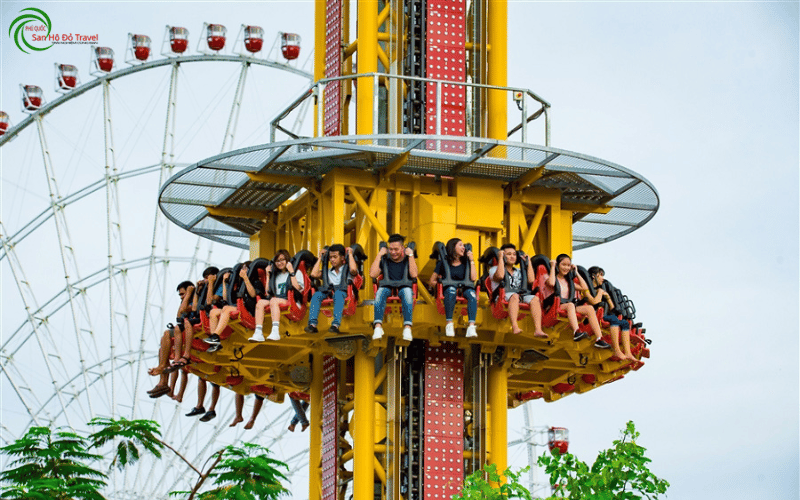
699 97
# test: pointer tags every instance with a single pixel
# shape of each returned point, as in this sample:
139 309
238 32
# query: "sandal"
182 361
158 391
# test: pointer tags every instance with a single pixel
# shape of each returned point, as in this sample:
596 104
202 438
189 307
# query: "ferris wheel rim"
157 63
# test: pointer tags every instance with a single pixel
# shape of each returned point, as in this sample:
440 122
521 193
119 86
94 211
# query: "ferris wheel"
89 262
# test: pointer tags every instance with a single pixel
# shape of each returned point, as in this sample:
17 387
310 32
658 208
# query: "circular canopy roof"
234 181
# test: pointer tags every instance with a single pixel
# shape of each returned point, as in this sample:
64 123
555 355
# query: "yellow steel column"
498 69
364 434
315 452
498 382
367 63
319 55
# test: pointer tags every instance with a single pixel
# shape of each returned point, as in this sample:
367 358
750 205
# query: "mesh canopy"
223 182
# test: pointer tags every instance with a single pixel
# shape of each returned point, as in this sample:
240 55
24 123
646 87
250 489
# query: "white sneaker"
449 330
377 333
258 336
472 331
275 334
407 334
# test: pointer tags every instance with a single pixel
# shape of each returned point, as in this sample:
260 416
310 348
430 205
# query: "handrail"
317 90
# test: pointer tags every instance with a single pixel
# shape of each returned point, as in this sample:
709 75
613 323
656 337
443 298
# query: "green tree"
485 485
55 465
618 473
51 465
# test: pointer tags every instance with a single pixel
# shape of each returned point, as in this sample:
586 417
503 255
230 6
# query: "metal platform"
231 181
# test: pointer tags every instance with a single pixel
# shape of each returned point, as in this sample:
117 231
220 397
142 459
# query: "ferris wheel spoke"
233 117
66 248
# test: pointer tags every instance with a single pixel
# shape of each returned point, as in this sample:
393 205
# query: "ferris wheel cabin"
104 59
178 39
290 45
4 122
215 36
253 38
66 77
32 97
558 439
140 45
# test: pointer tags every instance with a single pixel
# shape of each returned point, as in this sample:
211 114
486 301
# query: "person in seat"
603 299
511 278
282 279
219 300
169 343
248 290
560 281
399 268
335 285
459 267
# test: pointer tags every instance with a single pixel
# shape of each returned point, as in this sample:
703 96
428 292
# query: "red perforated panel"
446 60
444 421
332 102
329 431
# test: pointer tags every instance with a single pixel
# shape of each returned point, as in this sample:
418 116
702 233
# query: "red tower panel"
446 60
330 415
444 421
332 111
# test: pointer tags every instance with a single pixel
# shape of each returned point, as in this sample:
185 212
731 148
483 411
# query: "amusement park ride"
412 137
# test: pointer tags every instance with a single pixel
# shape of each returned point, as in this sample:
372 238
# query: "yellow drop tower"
417 132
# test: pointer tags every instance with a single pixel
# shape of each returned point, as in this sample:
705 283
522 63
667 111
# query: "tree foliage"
618 473
129 435
245 473
51 464
56 465
485 485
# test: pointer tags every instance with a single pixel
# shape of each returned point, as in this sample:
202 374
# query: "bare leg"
513 312
201 392
261 307
184 379
163 358
214 397
224 318
626 345
239 406
256 410
571 315
173 379
591 315
275 308
213 318
536 312
188 335
615 342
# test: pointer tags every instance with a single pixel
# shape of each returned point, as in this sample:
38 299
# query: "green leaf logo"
25 18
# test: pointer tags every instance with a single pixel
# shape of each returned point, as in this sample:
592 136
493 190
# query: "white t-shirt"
282 279
335 275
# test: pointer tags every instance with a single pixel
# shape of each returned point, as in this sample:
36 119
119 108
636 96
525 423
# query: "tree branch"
203 477
181 456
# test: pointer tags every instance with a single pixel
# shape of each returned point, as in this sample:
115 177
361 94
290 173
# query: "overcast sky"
701 98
